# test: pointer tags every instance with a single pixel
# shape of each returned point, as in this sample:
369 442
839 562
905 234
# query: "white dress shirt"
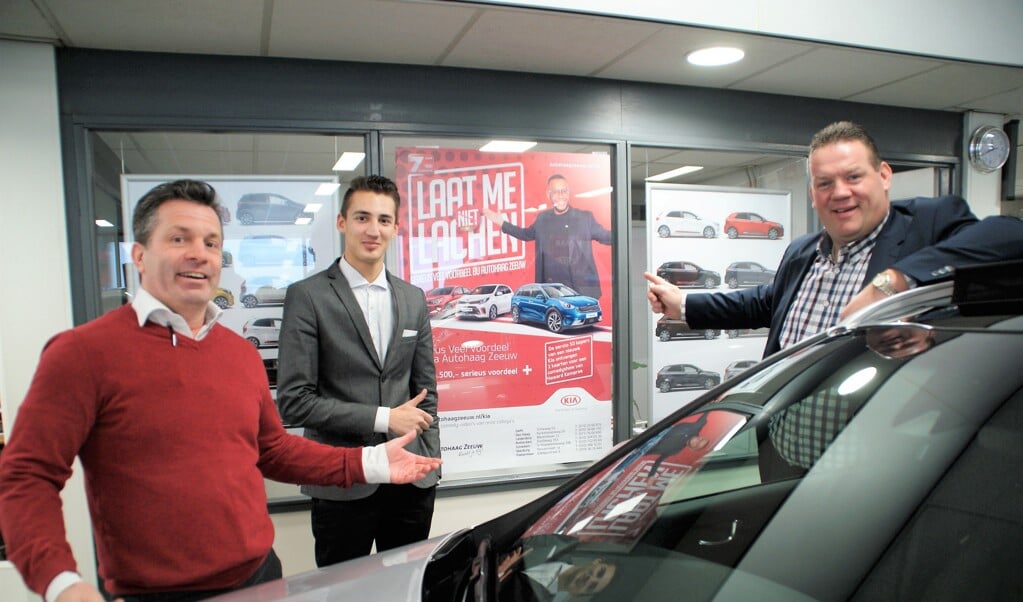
374 299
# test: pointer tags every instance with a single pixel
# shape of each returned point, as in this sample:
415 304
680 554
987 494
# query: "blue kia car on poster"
554 305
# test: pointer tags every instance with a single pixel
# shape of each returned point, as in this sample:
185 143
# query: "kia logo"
571 400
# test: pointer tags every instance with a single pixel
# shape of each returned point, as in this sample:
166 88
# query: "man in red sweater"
172 418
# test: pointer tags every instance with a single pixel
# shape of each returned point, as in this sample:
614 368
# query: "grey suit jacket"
331 381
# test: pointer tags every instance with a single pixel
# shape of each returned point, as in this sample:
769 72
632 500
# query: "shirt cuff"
64 580
375 467
682 309
382 420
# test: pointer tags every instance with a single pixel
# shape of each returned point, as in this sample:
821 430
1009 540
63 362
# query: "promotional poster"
513 251
709 239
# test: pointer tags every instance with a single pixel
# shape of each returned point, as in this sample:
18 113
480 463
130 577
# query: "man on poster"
563 236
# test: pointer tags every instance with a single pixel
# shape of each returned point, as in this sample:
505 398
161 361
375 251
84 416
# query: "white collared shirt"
149 308
374 299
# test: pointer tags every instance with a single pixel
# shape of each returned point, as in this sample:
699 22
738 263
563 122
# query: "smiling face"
558 193
370 224
180 264
850 192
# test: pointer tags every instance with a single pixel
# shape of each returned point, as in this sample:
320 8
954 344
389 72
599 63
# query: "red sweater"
175 442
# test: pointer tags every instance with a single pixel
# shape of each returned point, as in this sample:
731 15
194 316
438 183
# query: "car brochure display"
707 239
523 357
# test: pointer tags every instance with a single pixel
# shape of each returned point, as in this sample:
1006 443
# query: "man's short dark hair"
195 191
556 176
843 131
377 184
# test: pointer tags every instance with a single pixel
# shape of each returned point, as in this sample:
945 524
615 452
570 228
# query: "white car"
485 301
685 223
262 332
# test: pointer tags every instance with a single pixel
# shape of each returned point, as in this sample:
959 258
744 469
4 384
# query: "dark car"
441 301
687 273
270 365
747 273
555 305
270 208
670 328
685 376
878 460
747 223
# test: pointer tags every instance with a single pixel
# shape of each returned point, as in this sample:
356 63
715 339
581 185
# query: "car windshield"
683 504
486 289
444 290
559 290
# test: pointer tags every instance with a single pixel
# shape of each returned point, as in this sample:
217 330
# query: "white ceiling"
462 34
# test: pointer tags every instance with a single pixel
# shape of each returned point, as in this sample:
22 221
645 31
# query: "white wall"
33 255
985 31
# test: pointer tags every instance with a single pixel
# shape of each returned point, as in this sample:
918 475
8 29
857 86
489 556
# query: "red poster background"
446 241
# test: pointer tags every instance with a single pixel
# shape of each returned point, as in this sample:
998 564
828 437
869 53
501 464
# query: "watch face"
989 148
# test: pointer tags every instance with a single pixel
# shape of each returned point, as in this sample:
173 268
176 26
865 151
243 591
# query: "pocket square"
408 333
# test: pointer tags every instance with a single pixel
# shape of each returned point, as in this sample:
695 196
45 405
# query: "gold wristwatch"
883 282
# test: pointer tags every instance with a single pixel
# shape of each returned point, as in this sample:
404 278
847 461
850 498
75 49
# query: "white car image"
685 223
485 301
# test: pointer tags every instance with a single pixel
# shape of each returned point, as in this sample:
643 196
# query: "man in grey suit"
356 368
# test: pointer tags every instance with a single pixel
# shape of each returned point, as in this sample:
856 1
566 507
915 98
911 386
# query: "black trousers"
393 516
269 570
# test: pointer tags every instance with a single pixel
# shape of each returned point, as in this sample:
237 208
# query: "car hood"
472 298
394 575
579 300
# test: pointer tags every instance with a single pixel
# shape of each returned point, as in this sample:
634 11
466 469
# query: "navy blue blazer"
925 238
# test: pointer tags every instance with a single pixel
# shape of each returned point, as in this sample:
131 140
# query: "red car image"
747 223
441 301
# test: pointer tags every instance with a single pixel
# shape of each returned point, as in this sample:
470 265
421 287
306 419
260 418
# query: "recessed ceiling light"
313 207
507 146
102 223
715 56
667 175
349 161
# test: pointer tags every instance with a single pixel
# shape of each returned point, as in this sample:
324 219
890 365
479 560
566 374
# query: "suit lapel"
889 244
344 293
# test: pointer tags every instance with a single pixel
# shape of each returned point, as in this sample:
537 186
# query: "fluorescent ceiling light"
349 161
715 56
102 223
507 146
303 221
313 207
593 193
327 188
681 171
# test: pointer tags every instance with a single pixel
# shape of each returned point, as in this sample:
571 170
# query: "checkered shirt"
804 430
828 287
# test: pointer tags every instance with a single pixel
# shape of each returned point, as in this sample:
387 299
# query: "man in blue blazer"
356 365
870 248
